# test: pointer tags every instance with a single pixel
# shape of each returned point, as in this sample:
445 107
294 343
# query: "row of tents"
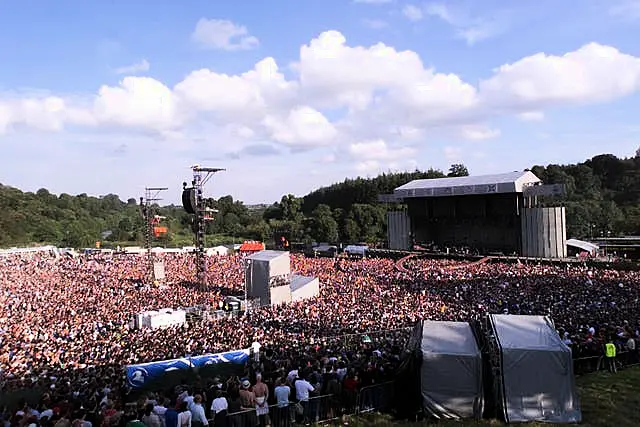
513 367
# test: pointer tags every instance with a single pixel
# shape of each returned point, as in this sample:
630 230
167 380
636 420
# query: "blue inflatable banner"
139 375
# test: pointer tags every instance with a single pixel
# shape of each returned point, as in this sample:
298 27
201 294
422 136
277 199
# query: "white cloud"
452 154
375 24
593 73
412 13
375 156
303 126
223 35
138 67
378 150
471 29
366 98
479 133
531 116
139 102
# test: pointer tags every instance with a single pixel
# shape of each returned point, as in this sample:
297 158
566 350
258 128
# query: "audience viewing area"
346 349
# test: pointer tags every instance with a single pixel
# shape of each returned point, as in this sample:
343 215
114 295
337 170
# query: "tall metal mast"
150 198
201 176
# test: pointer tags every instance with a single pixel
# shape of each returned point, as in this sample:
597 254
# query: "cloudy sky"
288 95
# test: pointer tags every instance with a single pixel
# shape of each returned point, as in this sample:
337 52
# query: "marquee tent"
536 381
446 359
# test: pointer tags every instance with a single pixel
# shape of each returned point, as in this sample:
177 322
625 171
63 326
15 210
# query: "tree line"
603 198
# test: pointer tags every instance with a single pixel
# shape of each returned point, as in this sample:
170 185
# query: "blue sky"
112 96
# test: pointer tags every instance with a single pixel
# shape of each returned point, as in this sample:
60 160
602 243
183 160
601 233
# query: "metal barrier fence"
316 410
589 364
377 397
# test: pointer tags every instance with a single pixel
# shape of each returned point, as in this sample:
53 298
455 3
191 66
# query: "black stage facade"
489 223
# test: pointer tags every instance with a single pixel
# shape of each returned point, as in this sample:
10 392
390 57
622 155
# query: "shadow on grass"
606 400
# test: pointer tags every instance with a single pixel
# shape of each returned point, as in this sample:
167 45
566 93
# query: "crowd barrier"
315 410
590 364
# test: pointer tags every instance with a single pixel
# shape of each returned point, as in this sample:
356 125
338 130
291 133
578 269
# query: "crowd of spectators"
66 323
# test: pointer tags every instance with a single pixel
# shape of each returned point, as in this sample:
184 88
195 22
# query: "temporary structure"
536 381
446 358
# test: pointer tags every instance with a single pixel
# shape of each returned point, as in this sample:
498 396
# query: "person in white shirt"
189 400
198 417
160 410
219 404
303 388
184 416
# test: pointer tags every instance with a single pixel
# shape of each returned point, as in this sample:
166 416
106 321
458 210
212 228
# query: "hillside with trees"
603 198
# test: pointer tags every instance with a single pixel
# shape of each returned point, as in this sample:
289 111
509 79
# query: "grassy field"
606 400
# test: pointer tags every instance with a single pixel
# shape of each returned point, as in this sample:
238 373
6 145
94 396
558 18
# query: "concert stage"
498 214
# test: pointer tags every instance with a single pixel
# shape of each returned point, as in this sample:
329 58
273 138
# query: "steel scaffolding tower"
146 204
201 176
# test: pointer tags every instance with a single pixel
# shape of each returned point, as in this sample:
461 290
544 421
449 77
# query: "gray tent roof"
581 244
509 178
527 333
266 255
298 281
455 338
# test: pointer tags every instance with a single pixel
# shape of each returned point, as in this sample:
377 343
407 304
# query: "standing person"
150 418
610 355
285 412
261 392
219 409
248 400
184 415
171 415
303 388
198 417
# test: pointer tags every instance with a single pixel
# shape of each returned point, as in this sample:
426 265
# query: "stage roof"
581 244
512 182
267 255
298 281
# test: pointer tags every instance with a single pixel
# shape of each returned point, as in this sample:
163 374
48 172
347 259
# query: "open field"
607 401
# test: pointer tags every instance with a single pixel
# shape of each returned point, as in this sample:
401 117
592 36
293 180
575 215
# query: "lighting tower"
201 176
146 204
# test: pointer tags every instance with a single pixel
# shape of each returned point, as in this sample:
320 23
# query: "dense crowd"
66 327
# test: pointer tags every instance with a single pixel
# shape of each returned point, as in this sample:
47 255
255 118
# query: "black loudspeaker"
189 200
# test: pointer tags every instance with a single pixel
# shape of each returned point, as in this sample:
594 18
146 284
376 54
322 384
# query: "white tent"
218 250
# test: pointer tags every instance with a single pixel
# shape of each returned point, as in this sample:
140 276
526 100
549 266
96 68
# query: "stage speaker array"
189 200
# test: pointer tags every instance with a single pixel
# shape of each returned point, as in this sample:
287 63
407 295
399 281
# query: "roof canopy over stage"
512 182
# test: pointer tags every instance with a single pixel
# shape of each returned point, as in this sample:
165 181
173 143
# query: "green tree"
325 227
458 169
291 208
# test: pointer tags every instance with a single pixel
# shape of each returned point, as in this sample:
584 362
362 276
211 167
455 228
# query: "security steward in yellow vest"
610 355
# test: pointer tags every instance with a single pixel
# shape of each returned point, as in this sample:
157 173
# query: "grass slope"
606 400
